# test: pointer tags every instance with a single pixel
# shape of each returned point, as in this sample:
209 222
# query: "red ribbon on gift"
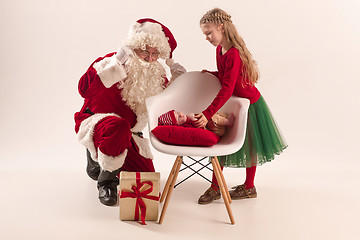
136 193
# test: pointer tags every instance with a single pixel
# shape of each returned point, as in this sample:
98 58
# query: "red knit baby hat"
167 118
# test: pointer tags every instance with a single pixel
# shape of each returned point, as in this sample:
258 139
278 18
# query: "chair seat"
204 87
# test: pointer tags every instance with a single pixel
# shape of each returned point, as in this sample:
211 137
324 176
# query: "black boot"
92 168
107 185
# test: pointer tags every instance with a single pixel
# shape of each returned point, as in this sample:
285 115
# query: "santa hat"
167 118
150 32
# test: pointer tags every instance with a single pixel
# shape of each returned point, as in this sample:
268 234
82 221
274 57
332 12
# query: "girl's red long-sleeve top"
232 81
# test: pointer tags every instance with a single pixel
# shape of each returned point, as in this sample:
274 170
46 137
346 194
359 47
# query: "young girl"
238 73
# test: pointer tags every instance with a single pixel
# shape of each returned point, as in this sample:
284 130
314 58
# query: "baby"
217 124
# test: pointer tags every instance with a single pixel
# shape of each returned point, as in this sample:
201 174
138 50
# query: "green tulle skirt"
263 139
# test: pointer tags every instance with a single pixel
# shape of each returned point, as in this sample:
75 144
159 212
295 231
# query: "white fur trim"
143 145
86 132
110 163
141 122
154 29
133 29
110 71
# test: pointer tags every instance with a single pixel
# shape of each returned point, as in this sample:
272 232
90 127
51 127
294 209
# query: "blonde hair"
249 69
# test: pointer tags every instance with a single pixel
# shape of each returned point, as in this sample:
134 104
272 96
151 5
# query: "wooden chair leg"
168 181
223 179
178 160
217 172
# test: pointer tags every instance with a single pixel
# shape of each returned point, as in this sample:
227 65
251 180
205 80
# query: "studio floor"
294 202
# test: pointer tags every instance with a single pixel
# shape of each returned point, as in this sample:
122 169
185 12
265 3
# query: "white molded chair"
192 92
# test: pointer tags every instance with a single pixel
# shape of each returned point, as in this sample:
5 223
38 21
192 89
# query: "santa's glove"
124 53
175 68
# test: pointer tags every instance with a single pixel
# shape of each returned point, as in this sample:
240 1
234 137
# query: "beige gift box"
139 182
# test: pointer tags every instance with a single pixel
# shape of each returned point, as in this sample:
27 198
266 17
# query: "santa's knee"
112 138
112 135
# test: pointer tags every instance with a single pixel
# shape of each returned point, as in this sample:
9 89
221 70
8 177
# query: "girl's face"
214 33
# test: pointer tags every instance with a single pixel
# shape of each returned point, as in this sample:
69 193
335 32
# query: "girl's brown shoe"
210 195
240 192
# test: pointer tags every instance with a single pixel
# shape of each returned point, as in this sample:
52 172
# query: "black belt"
88 111
139 134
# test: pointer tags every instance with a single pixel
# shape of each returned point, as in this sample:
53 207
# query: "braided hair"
249 67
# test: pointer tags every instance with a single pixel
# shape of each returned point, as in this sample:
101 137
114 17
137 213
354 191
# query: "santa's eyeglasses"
146 53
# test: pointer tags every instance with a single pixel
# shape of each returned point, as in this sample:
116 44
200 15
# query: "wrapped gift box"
139 196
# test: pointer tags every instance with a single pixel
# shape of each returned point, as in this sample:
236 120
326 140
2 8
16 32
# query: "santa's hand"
175 68
201 121
124 53
169 62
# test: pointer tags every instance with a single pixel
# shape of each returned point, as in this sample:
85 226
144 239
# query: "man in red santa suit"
114 89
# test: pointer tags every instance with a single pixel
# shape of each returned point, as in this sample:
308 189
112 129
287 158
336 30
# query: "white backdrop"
307 51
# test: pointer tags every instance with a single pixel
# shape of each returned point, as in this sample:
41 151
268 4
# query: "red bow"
136 193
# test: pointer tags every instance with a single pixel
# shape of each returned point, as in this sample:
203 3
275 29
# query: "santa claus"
114 89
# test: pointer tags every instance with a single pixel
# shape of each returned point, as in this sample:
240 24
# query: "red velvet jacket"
229 73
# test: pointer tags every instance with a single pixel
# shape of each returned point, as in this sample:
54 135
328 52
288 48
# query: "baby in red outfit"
218 123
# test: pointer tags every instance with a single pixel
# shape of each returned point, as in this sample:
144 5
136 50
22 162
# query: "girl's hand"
201 120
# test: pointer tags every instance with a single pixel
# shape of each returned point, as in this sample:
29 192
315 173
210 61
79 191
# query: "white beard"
143 80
